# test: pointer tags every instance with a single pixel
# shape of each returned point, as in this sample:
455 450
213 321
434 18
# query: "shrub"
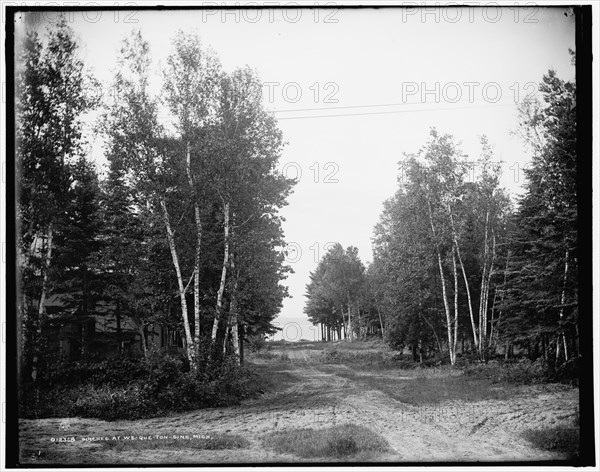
523 371
138 388
568 372
256 342
115 371
113 403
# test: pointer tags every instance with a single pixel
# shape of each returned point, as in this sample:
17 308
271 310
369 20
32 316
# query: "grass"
424 386
270 355
336 442
207 441
563 439
274 378
320 345
92 454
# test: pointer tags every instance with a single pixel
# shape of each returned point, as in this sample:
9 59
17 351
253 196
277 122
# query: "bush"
568 373
525 371
114 403
377 358
116 371
137 388
522 372
256 342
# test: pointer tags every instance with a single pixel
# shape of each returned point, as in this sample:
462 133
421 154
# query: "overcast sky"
354 89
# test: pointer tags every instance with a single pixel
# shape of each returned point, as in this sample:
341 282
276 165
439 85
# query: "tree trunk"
562 308
455 305
349 318
197 283
119 329
488 284
444 295
223 271
47 262
197 252
360 326
482 334
233 309
491 343
235 337
42 304
437 340
476 338
498 322
446 307
380 321
241 338
143 339
184 313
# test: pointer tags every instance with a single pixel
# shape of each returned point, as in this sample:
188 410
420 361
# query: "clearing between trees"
364 409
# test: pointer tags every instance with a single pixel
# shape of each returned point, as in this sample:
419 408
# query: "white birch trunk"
223 272
197 253
488 284
380 321
182 289
444 295
455 305
44 294
464 273
562 308
483 282
350 331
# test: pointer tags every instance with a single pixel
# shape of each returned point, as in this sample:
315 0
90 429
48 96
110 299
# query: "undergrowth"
130 388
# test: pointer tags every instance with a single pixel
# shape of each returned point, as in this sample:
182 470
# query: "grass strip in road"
337 442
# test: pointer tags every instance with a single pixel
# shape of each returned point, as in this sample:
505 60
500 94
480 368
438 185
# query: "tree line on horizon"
460 269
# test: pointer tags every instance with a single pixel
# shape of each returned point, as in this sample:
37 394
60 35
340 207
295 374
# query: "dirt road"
316 395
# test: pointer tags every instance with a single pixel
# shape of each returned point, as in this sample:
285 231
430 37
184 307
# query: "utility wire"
479 100
394 111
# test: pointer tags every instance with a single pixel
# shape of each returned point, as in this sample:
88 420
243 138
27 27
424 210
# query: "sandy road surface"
313 396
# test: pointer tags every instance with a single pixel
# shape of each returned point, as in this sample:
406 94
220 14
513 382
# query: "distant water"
295 328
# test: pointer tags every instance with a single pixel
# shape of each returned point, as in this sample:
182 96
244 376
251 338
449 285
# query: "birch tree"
135 136
191 84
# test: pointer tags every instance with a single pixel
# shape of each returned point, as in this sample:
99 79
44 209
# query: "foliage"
337 292
523 371
526 371
57 186
541 299
128 388
98 245
452 259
